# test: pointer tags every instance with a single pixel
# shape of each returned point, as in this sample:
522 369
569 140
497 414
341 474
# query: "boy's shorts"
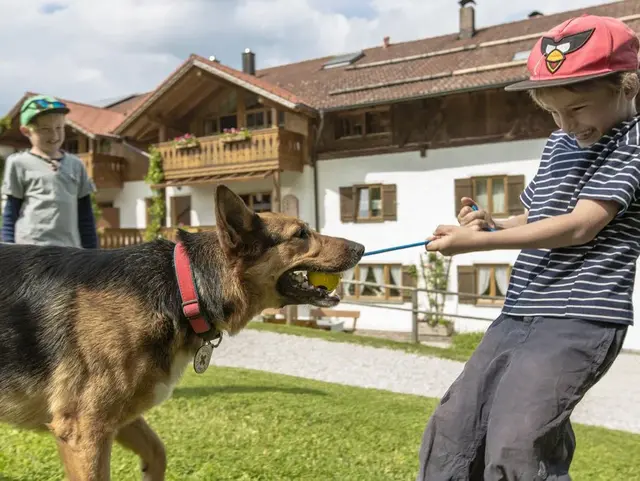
506 417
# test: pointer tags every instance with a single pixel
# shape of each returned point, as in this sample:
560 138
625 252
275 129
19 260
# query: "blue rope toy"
407 246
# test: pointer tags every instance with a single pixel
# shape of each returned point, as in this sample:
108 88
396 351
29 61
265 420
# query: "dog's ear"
233 218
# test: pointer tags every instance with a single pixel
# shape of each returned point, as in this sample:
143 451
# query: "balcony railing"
265 149
107 171
114 238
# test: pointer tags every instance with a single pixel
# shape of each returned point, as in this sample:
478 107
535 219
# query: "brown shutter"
463 188
466 284
515 187
347 204
389 204
409 279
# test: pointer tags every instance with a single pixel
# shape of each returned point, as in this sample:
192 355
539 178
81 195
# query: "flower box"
187 141
235 135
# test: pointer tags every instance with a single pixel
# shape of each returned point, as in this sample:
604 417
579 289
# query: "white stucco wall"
425 199
131 202
299 184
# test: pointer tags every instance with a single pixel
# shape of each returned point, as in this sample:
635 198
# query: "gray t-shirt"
49 212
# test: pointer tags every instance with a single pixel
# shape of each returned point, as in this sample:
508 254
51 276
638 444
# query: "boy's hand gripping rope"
407 246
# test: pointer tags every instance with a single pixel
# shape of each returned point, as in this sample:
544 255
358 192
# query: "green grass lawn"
235 424
462 345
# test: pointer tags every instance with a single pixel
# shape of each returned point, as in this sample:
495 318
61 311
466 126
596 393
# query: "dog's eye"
303 233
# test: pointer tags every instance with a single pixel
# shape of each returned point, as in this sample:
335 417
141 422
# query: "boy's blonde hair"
626 82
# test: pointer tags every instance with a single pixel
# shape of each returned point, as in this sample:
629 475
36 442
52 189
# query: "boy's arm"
87 223
579 227
514 221
86 219
576 228
607 195
13 188
9 218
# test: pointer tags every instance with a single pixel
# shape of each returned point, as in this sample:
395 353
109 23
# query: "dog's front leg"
142 440
84 446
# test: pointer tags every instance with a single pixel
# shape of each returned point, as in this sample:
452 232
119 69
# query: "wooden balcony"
115 238
107 171
266 149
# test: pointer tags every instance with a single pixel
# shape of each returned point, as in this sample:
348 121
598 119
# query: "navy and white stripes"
592 281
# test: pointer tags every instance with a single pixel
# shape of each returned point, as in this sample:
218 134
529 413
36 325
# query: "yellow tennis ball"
322 279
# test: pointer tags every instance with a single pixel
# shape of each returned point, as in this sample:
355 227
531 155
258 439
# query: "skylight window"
522 55
343 60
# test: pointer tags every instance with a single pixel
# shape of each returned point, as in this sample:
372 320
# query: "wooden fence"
114 238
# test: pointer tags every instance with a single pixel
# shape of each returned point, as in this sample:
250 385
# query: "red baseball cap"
579 49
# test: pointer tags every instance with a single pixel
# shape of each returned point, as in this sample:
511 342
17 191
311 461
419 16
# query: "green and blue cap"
40 104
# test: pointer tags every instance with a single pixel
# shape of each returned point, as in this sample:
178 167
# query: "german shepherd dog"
91 339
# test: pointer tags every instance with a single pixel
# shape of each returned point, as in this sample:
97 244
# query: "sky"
88 51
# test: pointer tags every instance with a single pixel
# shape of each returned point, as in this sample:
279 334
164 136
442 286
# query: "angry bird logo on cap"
555 53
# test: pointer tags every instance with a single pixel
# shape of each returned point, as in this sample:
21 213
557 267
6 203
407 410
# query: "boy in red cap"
569 301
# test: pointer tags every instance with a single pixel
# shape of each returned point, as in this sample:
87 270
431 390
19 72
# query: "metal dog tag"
203 358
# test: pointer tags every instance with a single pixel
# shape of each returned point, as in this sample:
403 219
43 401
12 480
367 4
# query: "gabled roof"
92 121
493 57
431 66
128 104
252 83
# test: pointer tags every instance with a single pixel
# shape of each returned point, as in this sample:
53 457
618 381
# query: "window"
498 194
228 122
104 146
490 192
72 146
343 60
384 274
360 124
210 126
260 202
181 210
368 203
483 280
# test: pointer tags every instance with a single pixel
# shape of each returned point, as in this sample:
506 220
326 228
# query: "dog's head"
274 251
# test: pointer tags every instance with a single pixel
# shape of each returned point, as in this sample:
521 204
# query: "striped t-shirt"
595 280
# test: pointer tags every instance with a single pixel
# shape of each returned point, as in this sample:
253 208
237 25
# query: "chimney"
249 62
386 41
467 19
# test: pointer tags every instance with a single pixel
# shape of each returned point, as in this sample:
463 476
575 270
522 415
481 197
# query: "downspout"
314 159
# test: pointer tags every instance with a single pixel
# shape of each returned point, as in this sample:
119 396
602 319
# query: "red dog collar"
188 294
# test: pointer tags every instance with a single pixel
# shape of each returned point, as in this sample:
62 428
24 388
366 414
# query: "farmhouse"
376 145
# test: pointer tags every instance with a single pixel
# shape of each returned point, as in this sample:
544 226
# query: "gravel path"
613 403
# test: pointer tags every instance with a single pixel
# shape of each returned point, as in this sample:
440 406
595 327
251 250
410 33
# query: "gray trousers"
506 417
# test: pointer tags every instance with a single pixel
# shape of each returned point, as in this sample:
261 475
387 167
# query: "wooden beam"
158 121
205 93
162 133
199 110
241 111
177 93
276 202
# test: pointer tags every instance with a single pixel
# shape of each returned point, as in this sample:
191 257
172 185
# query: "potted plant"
186 141
235 135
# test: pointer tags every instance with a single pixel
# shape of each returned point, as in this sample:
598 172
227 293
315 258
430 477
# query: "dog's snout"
356 249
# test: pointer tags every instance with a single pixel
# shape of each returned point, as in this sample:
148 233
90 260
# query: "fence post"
414 317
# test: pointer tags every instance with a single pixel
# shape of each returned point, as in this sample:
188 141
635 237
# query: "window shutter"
515 187
389 202
409 279
466 284
347 204
463 188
